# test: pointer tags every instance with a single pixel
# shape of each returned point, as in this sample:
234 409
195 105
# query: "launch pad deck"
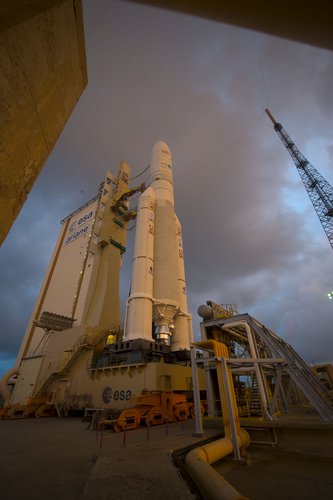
52 458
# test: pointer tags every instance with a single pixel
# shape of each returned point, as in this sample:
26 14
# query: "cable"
260 68
136 176
135 197
100 17
238 139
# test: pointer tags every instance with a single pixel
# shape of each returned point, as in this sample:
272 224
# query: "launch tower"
76 352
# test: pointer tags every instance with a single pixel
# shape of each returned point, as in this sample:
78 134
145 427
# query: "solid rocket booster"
183 333
157 306
139 308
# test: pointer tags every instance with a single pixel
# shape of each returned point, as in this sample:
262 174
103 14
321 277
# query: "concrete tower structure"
157 306
43 74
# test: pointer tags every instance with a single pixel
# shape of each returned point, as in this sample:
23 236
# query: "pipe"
190 328
4 391
221 351
125 322
211 484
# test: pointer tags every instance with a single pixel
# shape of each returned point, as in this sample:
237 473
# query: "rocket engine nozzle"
162 334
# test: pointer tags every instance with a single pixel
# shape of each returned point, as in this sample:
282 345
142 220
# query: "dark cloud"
251 236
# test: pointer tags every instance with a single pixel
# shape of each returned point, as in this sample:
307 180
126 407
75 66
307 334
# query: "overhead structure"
280 377
43 74
285 19
318 189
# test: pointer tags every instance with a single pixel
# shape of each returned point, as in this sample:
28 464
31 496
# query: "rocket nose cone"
160 172
161 148
162 152
161 145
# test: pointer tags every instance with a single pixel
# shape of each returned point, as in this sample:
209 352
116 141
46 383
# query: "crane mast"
319 190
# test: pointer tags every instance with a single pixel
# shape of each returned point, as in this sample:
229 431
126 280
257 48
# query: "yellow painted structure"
211 484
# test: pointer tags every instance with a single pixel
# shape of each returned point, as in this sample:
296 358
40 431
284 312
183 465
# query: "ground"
57 458
61 459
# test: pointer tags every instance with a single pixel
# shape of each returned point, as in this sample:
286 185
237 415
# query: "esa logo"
77 223
109 394
79 227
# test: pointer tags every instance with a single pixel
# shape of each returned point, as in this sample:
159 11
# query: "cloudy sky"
251 236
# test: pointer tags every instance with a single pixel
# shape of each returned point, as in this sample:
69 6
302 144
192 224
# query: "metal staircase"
81 344
84 342
298 370
46 384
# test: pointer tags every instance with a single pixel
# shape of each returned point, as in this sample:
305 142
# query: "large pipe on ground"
211 484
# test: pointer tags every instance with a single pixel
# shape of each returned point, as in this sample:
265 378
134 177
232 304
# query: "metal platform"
283 378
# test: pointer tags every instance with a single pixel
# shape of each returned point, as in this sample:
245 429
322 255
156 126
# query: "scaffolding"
280 379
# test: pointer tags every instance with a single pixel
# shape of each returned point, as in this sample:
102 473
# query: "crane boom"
319 190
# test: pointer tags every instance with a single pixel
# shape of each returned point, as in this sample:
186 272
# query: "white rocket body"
139 307
183 333
157 306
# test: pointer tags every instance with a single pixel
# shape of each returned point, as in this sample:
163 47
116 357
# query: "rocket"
157 306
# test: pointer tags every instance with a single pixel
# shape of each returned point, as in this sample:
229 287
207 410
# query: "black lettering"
116 395
128 395
122 395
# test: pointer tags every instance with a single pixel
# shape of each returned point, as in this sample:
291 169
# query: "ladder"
61 409
255 403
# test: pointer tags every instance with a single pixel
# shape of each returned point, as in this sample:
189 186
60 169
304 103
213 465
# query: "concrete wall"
43 73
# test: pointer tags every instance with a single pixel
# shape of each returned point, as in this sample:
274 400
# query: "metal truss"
279 371
319 190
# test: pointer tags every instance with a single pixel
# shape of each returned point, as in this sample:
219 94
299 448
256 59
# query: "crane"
318 189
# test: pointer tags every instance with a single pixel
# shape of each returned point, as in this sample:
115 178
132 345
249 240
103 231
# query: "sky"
251 236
